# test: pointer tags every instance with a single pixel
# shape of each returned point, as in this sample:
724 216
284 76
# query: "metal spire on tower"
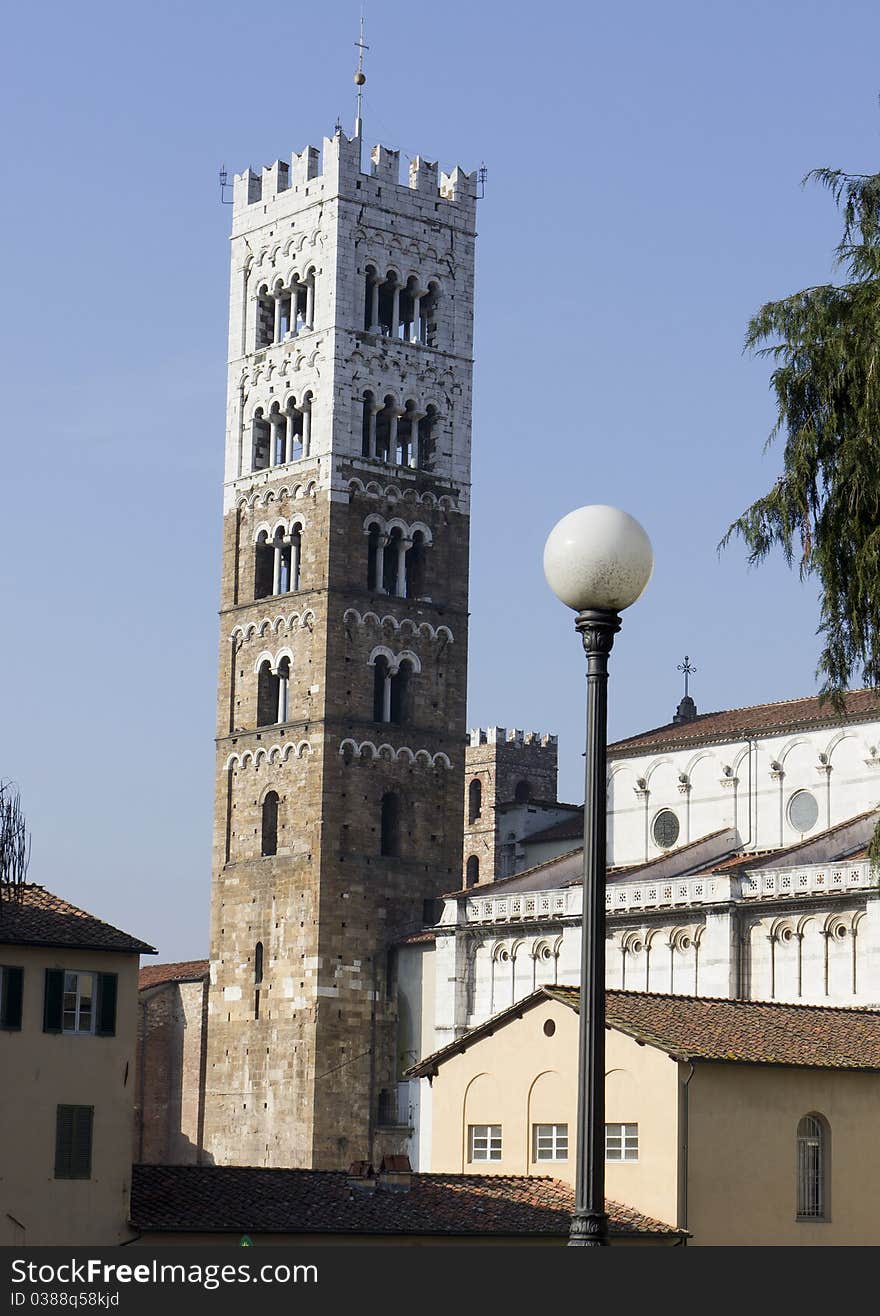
360 77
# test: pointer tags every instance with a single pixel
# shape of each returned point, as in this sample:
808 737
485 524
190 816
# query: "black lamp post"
597 560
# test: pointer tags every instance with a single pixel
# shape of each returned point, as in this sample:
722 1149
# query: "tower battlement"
338 166
512 736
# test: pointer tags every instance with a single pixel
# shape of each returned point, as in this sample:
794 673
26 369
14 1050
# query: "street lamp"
597 560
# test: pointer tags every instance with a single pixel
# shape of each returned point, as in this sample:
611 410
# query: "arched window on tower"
267 695
389 305
261 441
381 690
523 792
424 457
813 1137
386 429
269 837
374 558
265 327
264 566
394 564
400 693
371 299
407 451
428 314
258 977
414 566
368 425
475 800
472 871
389 832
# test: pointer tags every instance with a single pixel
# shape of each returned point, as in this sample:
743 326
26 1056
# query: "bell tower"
343 639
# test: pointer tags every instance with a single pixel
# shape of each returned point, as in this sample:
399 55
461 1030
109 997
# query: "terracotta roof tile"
712 1028
154 975
754 720
43 919
215 1198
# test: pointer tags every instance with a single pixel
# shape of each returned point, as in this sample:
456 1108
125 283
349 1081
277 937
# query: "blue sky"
642 201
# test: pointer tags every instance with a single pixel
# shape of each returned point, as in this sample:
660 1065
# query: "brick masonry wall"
169 1073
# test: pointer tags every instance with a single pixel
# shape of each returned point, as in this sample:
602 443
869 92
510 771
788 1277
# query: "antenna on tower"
227 201
360 77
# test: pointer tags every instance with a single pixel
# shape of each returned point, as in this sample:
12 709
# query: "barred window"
812 1152
549 1142
484 1142
621 1142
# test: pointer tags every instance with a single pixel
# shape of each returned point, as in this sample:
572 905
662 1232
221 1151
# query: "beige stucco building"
740 1122
68 992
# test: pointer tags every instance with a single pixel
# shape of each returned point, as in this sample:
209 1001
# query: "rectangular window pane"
550 1142
485 1142
621 1142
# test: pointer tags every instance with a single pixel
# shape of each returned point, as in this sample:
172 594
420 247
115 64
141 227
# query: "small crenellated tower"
509 775
343 650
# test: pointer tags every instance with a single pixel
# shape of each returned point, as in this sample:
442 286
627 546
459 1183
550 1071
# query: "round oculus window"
665 830
803 811
549 1027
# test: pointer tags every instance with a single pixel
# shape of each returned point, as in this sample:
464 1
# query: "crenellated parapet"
513 736
337 167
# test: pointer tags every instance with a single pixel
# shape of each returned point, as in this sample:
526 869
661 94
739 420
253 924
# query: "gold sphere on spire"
360 78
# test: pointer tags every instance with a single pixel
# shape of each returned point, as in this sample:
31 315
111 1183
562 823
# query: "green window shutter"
106 1011
53 1001
73 1142
12 982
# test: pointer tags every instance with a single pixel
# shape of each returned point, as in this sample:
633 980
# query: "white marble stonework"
741 905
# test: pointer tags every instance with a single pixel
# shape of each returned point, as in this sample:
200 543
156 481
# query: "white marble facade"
739 903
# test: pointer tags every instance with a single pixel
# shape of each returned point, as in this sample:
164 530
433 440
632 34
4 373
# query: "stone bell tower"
343 639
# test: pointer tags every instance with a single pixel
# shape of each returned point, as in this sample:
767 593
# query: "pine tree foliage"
824 510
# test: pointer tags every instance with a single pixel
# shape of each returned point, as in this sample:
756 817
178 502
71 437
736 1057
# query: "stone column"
392 436
282 698
395 311
386 698
310 303
371 431
276 337
295 554
400 580
276 567
288 437
294 298
307 428
374 306
381 543
415 336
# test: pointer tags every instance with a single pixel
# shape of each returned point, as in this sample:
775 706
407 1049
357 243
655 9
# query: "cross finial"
688 671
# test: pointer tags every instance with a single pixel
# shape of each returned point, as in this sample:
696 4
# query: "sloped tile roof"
219 1198
154 975
755 720
44 919
711 1028
567 829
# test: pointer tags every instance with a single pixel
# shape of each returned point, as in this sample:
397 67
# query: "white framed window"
549 1142
484 1142
621 1142
78 1011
